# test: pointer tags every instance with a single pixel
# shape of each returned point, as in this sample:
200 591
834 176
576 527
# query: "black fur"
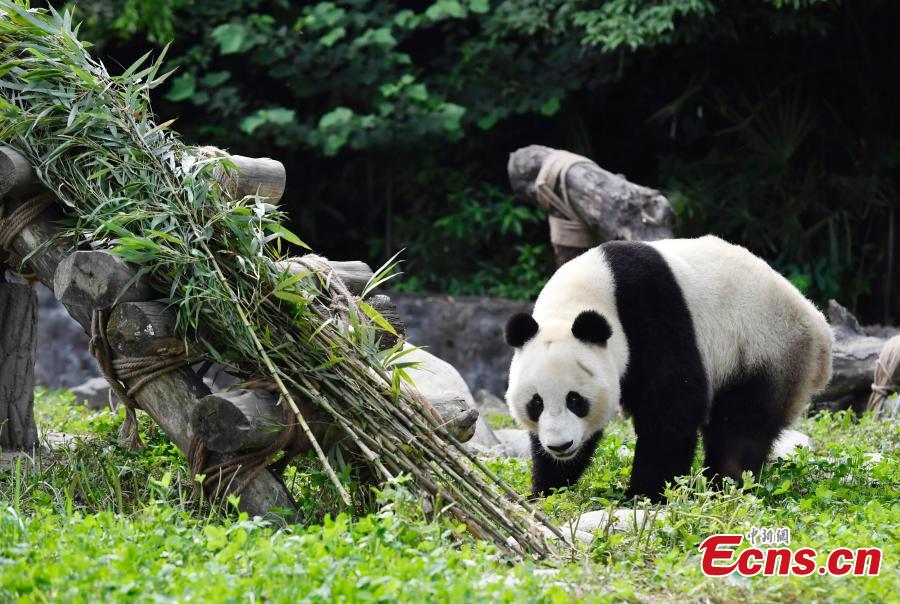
743 423
520 328
591 327
577 404
548 473
535 407
665 387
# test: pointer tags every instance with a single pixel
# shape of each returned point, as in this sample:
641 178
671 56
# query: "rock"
63 359
618 521
484 438
95 393
442 386
508 442
787 443
487 402
465 331
515 442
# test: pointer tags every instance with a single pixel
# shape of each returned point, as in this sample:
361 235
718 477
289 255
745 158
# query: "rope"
218 477
21 217
342 301
142 370
882 379
569 230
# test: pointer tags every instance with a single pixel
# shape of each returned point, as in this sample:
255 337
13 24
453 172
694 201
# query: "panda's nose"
561 448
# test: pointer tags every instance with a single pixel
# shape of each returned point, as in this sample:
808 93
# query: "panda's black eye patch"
577 404
535 407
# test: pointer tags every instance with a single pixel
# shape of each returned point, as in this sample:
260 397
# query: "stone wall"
465 331
63 359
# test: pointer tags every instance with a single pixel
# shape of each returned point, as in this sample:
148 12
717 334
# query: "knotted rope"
342 301
570 230
218 477
882 379
142 370
21 217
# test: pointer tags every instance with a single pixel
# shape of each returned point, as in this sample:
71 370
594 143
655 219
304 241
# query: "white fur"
744 312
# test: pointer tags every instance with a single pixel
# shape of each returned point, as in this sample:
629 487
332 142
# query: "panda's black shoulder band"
591 327
520 328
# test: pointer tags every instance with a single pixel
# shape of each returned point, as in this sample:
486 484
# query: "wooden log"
354 273
98 279
17 179
143 329
248 419
610 205
18 347
255 176
854 354
388 310
238 420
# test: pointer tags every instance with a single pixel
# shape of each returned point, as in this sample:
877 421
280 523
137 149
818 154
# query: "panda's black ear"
520 328
591 327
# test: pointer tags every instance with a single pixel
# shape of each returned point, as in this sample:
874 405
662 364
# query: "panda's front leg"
547 473
659 456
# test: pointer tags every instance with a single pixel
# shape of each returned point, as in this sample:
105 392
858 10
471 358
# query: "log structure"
229 424
608 204
89 280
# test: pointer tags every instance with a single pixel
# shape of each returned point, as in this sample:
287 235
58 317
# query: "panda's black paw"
638 494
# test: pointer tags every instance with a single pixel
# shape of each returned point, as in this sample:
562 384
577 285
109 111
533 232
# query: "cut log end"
97 279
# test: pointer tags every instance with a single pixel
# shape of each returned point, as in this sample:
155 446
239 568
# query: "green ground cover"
95 523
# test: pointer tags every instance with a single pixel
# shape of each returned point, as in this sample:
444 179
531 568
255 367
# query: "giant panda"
687 336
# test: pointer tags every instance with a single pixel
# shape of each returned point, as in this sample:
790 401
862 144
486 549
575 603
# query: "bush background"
770 123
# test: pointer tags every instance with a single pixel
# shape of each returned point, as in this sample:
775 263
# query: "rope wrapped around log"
570 230
21 217
885 367
115 371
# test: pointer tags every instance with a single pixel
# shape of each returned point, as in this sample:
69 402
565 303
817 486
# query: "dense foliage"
95 523
770 123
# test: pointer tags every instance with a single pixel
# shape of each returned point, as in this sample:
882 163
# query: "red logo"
720 559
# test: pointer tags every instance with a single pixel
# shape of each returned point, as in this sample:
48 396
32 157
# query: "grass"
96 523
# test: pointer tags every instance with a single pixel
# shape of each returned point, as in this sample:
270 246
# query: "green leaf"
550 106
183 87
215 78
284 233
375 316
479 7
232 38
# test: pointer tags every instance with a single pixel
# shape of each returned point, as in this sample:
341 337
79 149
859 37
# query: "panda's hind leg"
747 416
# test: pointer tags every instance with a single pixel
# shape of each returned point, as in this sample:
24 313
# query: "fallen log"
854 354
608 204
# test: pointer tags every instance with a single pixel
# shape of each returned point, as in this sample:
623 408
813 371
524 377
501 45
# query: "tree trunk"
18 333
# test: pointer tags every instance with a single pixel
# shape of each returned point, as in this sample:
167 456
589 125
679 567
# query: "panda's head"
563 383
